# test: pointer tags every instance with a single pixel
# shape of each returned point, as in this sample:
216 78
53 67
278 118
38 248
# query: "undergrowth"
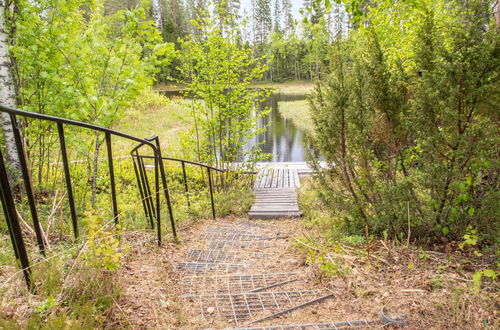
459 278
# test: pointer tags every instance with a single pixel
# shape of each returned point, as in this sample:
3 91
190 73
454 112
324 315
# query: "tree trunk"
7 98
95 166
497 13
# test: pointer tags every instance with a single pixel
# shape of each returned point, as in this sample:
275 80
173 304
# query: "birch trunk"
7 98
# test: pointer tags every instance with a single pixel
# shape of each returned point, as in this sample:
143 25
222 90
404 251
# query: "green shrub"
410 136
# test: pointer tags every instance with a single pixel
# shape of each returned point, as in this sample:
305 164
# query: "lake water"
283 140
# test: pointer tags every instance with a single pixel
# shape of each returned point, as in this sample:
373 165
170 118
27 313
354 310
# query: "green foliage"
46 305
478 277
406 123
470 239
328 265
103 243
76 62
89 66
354 240
218 72
236 199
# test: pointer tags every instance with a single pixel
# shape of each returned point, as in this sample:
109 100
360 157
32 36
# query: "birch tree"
7 95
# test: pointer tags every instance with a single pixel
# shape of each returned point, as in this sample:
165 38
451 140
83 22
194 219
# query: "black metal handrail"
142 179
188 162
8 200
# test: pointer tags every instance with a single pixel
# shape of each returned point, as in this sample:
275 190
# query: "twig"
306 245
344 258
51 217
367 239
32 232
288 310
54 207
409 225
413 290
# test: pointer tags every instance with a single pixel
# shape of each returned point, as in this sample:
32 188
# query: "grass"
73 292
434 288
70 293
292 87
298 113
154 114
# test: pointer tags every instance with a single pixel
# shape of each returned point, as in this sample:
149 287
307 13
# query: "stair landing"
275 194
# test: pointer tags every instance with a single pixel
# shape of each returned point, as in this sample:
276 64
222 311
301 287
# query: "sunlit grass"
298 112
295 87
292 87
157 116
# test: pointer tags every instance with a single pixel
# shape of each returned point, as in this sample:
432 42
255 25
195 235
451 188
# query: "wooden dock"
275 194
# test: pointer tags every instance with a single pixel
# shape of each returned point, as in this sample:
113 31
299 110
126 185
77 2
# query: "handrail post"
141 193
112 176
185 183
157 188
14 228
67 177
147 190
165 187
211 191
27 183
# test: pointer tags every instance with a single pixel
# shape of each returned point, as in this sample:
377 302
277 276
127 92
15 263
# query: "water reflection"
283 140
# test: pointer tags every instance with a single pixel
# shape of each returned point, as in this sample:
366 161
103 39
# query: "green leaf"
490 273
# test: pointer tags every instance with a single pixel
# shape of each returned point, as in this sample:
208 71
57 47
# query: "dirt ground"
423 291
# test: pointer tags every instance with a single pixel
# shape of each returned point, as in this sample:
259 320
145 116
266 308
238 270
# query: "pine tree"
277 16
227 13
172 20
113 6
196 12
288 22
262 20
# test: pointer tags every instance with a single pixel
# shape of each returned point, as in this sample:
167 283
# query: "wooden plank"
266 179
276 215
269 178
261 177
278 207
276 203
258 179
274 210
267 198
275 189
275 177
297 180
275 194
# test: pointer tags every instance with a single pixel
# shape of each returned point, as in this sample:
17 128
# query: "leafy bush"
410 136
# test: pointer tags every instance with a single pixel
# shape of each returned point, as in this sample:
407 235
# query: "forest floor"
250 256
